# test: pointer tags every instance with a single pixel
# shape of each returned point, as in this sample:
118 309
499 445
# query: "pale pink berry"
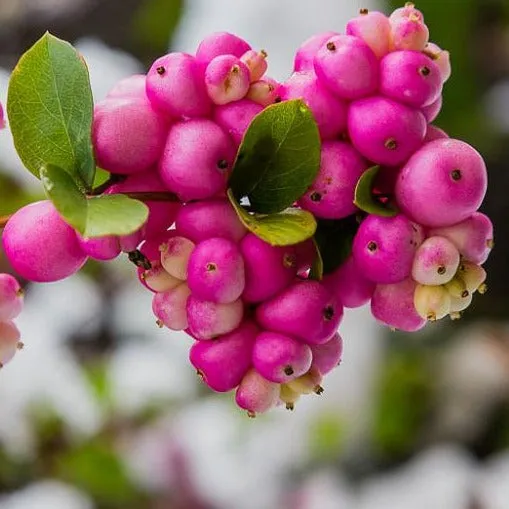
40 246
208 320
268 269
11 297
133 86
176 86
308 383
169 307
431 111
236 117
305 56
447 173
384 248
434 133
331 196
409 33
436 261
175 254
459 304
256 62
328 356
221 43
374 28
288 396
405 12
216 271
223 362
393 305
100 248
305 310
128 135
432 302
264 92
205 219
472 275
349 285
347 66
227 79
256 394
9 342
158 280
457 287
329 111
441 59
197 159
473 237
385 131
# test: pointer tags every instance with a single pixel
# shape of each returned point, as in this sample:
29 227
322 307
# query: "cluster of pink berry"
11 305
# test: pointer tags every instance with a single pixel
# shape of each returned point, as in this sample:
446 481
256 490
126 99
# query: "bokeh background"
102 409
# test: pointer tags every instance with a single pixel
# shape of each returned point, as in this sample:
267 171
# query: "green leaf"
278 159
364 198
50 110
287 228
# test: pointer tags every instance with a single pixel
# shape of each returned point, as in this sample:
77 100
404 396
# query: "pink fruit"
441 59
235 118
208 320
101 248
268 269
40 246
331 196
158 280
256 394
264 92
221 43
409 33
328 111
410 77
216 271
305 56
385 131
256 62
473 276
434 133
406 12
227 79
196 160
9 342
393 305
473 237
133 86
349 285
280 358
170 307
432 111
306 255
374 28
202 220
432 302
328 356
11 297
436 261
175 254
447 173
128 135
384 248
223 362
305 310
176 86
347 66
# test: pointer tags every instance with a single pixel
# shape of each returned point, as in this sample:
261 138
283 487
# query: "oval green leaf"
50 110
366 201
278 159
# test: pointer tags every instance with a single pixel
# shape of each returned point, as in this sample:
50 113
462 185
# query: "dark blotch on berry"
425 71
328 313
391 144
456 175
372 246
315 196
465 294
278 99
331 46
222 164
441 270
288 371
363 12
161 70
211 267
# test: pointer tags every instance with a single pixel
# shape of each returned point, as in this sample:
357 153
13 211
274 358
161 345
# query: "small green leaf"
50 110
316 271
364 198
286 228
278 159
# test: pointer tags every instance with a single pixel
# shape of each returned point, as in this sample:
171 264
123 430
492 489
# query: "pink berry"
328 356
227 79
473 237
133 86
175 85
347 66
409 33
158 280
264 92
331 196
256 394
235 118
175 254
434 133
384 248
305 310
196 160
432 302
221 43
40 246
268 269
9 342
202 220
11 297
328 110
280 358
208 320
216 271
406 12
223 362
256 62
374 28
442 184
472 275
170 307
305 56
410 77
393 305
441 59
128 135
385 131
306 255
436 261
101 248
349 285
431 111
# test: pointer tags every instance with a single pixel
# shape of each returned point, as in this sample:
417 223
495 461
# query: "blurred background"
102 409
